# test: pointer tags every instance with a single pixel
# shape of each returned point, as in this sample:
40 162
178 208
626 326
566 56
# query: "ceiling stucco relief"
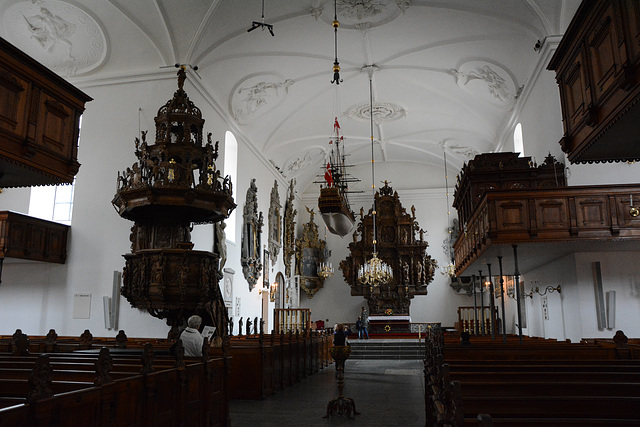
488 81
360 9
463 151
296 166
61 36
382 112
353 13
255 93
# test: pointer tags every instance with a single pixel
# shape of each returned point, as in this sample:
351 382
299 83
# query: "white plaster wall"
541 120
620 273
15 199
564 315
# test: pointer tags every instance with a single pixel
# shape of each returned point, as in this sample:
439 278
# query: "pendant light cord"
373 162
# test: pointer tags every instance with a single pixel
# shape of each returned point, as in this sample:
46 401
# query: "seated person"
191 337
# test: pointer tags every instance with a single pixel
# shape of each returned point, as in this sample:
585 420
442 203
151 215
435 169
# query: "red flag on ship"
336 125
327 175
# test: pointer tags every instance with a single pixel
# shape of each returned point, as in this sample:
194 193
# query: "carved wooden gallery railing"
22 236
585 213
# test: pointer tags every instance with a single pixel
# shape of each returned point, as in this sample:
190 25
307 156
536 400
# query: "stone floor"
386 393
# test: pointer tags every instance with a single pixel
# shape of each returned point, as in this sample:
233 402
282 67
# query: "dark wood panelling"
22 236
597 68
39 122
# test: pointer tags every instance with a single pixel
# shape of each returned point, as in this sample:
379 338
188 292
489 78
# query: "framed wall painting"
265 275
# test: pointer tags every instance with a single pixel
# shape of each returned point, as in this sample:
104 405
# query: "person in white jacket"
191 337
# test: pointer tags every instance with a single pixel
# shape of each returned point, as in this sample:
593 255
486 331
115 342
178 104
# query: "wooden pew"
562 384
194 392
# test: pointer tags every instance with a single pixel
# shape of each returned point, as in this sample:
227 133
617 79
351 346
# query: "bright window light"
231 169
518 143
53 203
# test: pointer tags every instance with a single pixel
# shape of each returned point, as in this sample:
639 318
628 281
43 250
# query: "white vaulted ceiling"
447 73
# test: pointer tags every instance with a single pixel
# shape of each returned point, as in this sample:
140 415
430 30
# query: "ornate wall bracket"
251 241
289 229
310 252
275 224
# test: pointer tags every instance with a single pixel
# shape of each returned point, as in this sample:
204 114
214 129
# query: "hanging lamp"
336 65
375 272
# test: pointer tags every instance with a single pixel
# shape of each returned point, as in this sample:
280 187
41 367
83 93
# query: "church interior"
460 174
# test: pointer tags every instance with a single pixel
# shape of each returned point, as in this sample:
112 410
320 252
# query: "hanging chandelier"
375 272
325 269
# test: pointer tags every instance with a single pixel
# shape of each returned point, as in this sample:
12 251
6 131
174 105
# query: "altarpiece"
401 244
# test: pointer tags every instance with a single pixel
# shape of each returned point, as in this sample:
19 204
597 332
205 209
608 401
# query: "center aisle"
386 393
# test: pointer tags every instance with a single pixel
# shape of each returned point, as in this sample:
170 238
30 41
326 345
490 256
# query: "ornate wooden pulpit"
174 184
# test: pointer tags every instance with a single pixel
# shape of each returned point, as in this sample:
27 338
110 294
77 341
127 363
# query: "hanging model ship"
333 202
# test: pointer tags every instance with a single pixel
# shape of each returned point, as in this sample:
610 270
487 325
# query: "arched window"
518 143
231 169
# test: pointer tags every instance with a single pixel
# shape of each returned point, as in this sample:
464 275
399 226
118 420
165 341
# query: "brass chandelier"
375 272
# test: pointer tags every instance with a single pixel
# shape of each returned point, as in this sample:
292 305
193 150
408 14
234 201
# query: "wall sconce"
548 289
325 269
633 211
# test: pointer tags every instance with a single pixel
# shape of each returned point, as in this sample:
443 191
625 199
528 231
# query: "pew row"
486 384
107 389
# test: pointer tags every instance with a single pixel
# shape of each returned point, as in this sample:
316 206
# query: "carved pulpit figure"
231 326
240 323
255 325
248 326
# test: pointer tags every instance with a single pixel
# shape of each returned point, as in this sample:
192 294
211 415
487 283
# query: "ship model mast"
333 202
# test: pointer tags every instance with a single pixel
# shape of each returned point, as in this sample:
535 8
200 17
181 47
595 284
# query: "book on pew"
207 332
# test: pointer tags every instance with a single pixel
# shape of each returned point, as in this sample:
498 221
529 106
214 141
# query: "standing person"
191 337
364 315
339 337
359 328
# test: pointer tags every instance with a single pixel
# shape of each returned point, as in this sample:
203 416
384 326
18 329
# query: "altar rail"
546 215
415 330
292 319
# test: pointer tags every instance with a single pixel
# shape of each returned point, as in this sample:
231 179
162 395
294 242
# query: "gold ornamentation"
310 252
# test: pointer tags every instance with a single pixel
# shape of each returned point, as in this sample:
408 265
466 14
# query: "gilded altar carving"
401 245
275 224
310 252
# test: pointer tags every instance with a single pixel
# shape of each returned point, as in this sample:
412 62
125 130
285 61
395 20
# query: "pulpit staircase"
391 349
